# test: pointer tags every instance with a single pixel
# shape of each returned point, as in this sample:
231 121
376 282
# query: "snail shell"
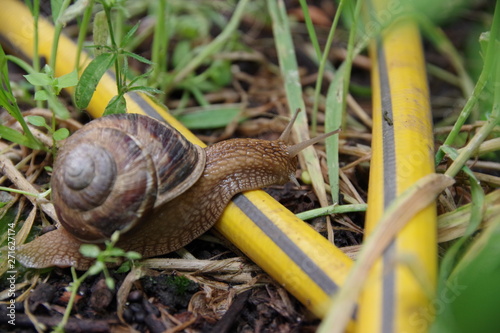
114 171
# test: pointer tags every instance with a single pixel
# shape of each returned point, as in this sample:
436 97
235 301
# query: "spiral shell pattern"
113 171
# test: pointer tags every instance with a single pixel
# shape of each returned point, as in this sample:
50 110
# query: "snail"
135 174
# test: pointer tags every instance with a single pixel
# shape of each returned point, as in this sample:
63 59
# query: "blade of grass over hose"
290 72
396 216
295 255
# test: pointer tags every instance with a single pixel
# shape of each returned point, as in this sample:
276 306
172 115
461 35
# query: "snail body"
135 174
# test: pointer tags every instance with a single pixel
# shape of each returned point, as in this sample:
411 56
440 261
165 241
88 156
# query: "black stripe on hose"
286 245
145 106
388 305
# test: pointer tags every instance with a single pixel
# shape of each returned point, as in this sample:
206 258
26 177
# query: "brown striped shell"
117 169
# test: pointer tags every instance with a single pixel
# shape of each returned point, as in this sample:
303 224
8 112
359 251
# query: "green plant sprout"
47 88
49 83
116 55
110 254
58 135
54 85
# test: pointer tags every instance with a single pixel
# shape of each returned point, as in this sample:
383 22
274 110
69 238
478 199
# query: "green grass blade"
12 135
212 116
491 58
293 89
321 71
333 120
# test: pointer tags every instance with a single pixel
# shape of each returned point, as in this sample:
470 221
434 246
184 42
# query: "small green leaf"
138 57
38 79
60 134
148 90
115 252
484 40
57 106
41 95
97 267
55 6
189 28
68 80
124 268
210 118
48 70
132 255
91 77
128 37
182 54
12 135
140 77
115 236
220 72
90 250
36 120
110 283
77 9
100 32
117 105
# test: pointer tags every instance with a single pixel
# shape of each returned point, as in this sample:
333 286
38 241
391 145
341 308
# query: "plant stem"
87 15
333 209
74 290
57 33
36 58
350 53
114 47
160 42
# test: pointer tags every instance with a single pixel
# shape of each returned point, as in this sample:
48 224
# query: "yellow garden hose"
304 262
396 294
